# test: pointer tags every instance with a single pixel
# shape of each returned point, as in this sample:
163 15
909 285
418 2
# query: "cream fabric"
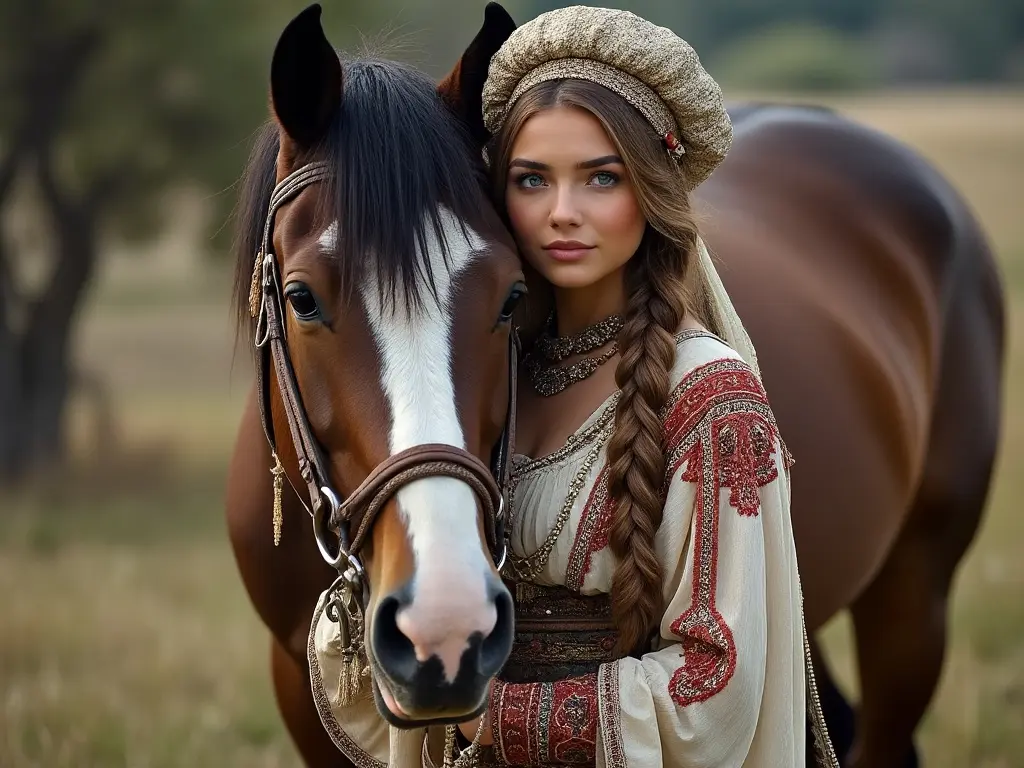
725 321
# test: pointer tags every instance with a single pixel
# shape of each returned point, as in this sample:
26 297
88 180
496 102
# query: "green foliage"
800 57
171 94
979 39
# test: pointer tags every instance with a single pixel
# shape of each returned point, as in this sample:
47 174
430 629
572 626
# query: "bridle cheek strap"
341 527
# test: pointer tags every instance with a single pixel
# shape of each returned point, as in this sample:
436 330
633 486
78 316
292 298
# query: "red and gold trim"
538 724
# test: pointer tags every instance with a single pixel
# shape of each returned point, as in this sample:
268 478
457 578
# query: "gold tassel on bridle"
254 287
278 472
346 612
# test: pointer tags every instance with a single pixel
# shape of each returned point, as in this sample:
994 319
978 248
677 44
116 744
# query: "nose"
565 212
439 663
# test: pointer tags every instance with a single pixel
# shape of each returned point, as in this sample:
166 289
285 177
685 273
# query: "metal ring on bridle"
322 514
504 557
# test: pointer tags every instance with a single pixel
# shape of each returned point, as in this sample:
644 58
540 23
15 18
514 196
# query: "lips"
567 250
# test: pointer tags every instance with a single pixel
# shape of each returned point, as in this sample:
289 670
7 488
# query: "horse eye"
302 302
514 296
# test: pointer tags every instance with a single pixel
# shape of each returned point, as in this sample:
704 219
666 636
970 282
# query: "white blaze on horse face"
329 239
450 601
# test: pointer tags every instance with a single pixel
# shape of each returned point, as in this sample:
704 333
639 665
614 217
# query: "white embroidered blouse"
725 684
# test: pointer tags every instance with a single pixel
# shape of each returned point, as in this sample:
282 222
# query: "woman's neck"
578 308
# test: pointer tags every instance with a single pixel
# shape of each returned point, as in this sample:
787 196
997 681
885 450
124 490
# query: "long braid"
636 460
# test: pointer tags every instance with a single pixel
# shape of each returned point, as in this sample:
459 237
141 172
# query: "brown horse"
867 288
378 284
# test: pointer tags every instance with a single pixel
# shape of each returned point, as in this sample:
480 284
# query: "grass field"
125 636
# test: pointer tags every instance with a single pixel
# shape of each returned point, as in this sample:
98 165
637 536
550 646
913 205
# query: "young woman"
658 601
659 618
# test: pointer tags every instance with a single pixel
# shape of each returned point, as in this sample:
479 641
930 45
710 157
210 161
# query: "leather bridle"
341 525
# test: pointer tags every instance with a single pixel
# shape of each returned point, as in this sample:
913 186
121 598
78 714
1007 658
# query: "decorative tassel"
350 678
278 472
466 758
254 287
348 644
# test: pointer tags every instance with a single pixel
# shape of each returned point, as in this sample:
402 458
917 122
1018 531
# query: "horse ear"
305 79
462 90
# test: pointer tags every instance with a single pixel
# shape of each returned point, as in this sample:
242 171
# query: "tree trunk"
47 340
35 370
11 389
11 406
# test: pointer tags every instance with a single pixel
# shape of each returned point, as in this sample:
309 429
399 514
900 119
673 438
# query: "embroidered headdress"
651 68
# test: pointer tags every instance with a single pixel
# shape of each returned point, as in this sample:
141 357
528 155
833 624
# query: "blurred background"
125 636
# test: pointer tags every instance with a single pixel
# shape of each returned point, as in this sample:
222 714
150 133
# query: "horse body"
876 310
873 302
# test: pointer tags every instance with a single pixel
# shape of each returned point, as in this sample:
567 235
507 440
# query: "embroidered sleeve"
546 723
723 668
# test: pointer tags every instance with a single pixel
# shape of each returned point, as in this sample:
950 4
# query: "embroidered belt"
559 634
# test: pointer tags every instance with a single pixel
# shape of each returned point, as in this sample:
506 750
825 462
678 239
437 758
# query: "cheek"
620 220
521 215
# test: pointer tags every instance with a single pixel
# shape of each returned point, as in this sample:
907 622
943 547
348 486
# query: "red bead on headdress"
674 146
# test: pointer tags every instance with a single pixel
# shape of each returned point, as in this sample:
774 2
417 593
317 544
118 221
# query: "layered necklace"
547 377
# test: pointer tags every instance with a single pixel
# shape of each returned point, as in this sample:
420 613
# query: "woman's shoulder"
709 375
697 347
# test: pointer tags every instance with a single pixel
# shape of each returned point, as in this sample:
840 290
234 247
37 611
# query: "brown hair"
656 302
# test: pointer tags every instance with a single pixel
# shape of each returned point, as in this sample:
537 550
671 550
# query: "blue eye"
526 181
605 179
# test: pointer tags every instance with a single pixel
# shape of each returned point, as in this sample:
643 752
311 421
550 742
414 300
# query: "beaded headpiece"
649 66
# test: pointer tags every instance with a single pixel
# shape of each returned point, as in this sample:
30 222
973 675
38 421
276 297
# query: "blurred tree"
795 56
977 40
105 106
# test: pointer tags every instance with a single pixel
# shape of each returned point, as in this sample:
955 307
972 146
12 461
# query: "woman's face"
572 208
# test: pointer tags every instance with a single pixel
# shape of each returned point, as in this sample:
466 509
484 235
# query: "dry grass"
126 639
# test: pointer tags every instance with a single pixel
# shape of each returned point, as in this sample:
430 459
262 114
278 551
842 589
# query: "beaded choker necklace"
549 379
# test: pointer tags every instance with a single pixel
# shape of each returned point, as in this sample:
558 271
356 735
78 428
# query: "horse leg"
900 625
295 701
900 620
839 715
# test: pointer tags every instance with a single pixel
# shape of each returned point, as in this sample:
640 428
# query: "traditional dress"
724 683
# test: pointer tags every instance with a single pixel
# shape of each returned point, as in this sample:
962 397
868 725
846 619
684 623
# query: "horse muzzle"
431 671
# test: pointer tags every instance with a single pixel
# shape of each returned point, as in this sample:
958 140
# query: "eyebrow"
597 162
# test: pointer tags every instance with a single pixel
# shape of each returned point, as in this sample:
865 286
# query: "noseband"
340 525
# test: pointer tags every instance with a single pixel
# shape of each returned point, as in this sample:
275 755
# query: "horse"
377 285
874 303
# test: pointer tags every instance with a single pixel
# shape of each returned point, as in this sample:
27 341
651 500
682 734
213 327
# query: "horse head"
383 283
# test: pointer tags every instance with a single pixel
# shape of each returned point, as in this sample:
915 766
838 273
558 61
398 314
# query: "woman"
658 602
659 615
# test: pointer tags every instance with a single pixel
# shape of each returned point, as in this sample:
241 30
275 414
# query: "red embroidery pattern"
748 441
708 650
746 459
723 429
591 534
539 724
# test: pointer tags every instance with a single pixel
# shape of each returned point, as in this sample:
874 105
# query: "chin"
572 276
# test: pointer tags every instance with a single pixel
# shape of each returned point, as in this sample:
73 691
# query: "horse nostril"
390 644
497 646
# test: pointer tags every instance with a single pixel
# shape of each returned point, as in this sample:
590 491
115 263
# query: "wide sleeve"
713 691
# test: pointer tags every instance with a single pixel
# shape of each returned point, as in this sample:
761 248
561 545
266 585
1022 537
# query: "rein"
340 525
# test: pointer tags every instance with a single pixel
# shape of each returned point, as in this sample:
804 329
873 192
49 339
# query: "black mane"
399 154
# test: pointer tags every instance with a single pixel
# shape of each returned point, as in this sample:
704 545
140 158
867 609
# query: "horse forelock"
405 171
